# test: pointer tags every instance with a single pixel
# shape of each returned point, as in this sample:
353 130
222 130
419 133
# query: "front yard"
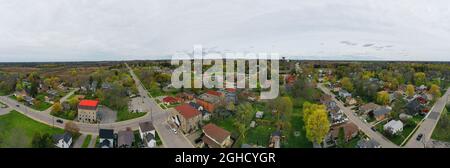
399 138
17 130
125 114
442 132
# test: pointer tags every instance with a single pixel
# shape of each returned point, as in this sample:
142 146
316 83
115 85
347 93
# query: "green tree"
56 107
243 119
383 97
410 90
42 141
419 78
317 125
341 138
347 84
435 90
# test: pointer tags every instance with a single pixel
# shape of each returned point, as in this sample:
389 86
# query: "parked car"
174 130
59 121
419 137
17 105
373 129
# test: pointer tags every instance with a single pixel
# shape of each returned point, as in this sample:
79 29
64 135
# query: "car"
174 130
419 137
373 129
17 105
59 121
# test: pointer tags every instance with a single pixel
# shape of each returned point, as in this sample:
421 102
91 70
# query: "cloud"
147 29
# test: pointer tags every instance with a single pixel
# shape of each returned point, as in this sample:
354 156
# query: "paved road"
429 123
79 142
364 127
159 118
4 111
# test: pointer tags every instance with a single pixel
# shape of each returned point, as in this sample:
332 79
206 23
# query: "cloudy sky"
83 30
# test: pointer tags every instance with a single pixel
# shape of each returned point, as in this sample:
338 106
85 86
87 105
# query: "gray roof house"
365 143
125 139
106 138
63 140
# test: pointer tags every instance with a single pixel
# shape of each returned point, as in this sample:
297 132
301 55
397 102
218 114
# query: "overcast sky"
83 30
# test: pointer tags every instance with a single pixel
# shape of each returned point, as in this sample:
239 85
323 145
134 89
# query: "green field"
86 141
17 130
442 132
123 115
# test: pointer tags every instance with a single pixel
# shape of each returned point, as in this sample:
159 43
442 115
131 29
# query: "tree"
56 107
347 84
383 97
419 78
341 138
435 90
230 106
73 102
410 90
44 141
284 108
243 119
72 128
317 125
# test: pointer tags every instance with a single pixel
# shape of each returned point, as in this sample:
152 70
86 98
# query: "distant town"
132 104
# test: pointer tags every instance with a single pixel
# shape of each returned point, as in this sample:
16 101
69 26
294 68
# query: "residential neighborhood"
133 105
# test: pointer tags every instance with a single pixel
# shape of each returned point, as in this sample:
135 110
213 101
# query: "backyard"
397 139
18 130
441 132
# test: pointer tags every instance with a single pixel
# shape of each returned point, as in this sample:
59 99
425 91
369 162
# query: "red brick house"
216 137
186 118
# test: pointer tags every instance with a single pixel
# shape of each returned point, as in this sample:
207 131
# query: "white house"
393 127
63 140
148 134
259 114
106 138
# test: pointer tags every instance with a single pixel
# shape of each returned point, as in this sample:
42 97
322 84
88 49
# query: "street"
364 127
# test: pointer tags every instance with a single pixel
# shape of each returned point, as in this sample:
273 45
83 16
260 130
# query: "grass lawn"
352 143
41 106
17 130
396 139
123 115
299 141
259 135
86 141
442 132
68 115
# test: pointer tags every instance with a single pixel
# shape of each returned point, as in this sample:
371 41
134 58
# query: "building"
344 93
209 100
106 138
168 100
368 108
147 133
350 131
186 118
216 137
366 143
393 127
381 113
259 114
125 138
275 139
87 111
63 140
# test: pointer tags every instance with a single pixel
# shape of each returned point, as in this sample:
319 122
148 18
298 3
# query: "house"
381 113
421 88
259 114
106 86
186 118
209 100
28 100
147 133
415 107
206 115
231 96
168 100
393 127
216 137
405 117
52 94
344 93
350 131
368 108
106 138
63 140
185 96
87 111
350 101
125 138
275 139
366 143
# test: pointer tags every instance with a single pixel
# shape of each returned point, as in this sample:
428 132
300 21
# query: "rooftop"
215 132
88 103
187 111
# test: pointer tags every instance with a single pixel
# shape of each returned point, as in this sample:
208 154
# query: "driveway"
79 142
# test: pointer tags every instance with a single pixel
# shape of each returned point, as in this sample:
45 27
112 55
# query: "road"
429 123
364 127
79 142
159 118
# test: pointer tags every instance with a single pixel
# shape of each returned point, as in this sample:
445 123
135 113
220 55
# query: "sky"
87 30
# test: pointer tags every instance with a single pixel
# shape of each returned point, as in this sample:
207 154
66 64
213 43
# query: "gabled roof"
216 133
369 106
214 93
65 137
125 138
187 111
349 129
381 111
106 133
